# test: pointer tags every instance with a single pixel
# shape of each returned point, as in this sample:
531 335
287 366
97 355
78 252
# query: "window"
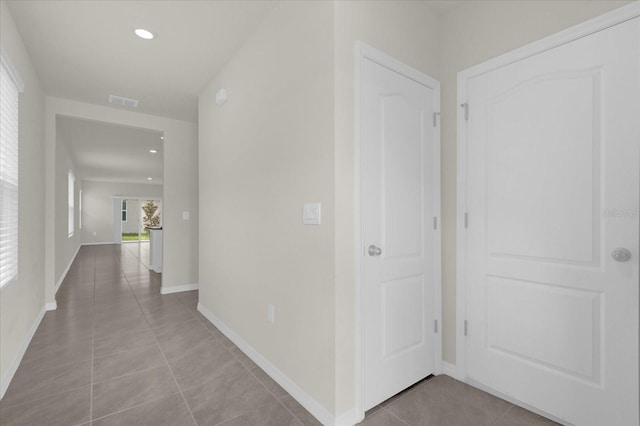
10 88
80 209
71 187
124 210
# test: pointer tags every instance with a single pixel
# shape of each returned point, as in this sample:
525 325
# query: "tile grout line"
222 423
40 398
287 408
278 400
133 406
161 351
393 415
128 374
180 390
402 394
398 397
250 371
257 367
503 415
108 354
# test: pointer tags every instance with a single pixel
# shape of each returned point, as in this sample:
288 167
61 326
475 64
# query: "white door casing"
400 178
117 220
549 188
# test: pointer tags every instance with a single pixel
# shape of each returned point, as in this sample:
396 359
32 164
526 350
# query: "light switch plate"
186 216
311 214
271 313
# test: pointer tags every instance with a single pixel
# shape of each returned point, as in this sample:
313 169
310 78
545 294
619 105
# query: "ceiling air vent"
119 100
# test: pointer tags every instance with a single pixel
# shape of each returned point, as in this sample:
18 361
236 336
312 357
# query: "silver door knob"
374 251
621 254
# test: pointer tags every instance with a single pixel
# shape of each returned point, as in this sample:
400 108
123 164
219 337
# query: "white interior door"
400 180
552 185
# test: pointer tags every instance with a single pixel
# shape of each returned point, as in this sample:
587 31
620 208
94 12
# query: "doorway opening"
138 216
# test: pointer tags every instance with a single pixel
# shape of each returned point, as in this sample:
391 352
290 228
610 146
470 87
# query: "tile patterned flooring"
116 352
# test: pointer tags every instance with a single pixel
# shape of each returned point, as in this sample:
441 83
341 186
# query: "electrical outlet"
271 313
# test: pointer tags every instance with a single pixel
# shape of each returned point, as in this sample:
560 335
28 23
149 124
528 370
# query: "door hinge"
465 106
465 328
435 328
466 220
435 118
435 223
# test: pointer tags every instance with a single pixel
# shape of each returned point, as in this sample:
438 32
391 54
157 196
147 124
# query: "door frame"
365 52
592 26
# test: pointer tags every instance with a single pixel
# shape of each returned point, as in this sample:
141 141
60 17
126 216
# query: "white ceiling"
110 153
86 50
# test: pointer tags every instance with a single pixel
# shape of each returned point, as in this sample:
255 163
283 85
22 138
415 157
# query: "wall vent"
119 100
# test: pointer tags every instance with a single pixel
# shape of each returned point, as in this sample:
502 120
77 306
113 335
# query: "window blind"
10 87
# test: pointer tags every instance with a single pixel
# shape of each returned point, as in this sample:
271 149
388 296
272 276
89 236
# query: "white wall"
22 302
285 137
408 31
180 189
65 247
474 32
97 207
263 154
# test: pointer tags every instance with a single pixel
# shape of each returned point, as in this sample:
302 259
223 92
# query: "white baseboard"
310 404
449 369
98 244
51 306
66 271
349 418
178 288
13 367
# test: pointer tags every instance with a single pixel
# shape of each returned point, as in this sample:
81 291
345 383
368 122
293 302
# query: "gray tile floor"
443 401
116 352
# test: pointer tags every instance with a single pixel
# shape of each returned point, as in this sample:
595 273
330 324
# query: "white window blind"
72 181
10 87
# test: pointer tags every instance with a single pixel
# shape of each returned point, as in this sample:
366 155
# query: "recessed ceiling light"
153 151
145 34
162 137
149 178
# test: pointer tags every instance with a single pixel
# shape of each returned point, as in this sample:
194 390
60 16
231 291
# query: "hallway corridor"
116 352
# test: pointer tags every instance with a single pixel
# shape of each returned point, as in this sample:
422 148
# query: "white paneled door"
552 185
400 195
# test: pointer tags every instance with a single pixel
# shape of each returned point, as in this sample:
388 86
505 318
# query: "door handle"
621 254
374 251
